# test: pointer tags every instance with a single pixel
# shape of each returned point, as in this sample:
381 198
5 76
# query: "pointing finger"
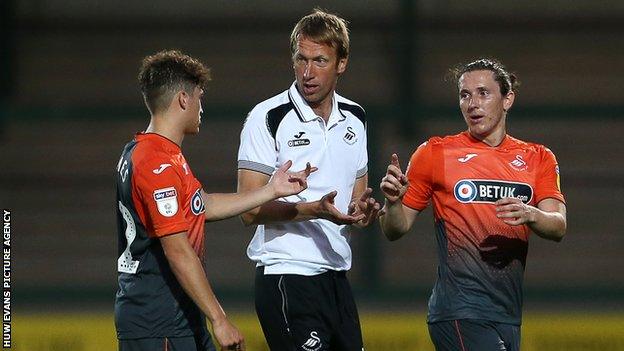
395 171
395 161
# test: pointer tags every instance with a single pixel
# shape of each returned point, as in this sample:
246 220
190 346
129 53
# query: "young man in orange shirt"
164 295
488 191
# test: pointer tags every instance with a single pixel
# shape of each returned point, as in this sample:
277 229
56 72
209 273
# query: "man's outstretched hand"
367 206
326 209
286 183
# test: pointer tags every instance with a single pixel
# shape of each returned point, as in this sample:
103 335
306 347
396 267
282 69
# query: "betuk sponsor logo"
490 191
298 141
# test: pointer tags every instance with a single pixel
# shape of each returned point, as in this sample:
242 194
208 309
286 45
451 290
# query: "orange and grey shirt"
481 258
157 195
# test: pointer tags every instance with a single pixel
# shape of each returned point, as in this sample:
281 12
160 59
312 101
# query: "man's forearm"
190 274
280 211
548 225
394 222
221 206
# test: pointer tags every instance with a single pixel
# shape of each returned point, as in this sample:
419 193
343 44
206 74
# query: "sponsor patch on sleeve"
197 203
166 201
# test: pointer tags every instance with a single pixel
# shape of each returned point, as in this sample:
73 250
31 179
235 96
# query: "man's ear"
508 101
342 65
182 98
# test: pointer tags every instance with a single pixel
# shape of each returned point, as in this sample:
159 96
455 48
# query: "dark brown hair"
322 27
167 72
506 81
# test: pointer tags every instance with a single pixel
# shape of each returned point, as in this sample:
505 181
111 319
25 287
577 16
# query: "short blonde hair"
322 27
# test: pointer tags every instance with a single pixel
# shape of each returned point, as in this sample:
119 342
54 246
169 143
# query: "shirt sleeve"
547 184
419 175
159 196
257 149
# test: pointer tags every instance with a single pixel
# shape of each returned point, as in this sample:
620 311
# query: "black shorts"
474 335
188 343
309 313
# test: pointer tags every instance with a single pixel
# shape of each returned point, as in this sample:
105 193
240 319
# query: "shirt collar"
305 112
163 141
506 143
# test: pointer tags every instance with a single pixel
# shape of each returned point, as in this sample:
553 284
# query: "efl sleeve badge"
166 201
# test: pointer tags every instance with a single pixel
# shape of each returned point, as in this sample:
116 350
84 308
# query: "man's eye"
321 61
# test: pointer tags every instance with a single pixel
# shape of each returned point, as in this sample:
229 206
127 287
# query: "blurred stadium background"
69 101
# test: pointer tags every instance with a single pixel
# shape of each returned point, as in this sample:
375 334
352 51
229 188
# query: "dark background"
69 102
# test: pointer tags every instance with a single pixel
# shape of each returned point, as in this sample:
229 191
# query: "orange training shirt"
482 258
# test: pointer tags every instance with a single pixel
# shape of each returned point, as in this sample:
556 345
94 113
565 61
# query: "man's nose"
473 102
308 71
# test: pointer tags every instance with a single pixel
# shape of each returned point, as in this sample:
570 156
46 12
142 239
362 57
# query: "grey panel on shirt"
361 172
255 166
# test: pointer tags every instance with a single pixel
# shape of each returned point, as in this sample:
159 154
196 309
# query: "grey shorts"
474 335
187 343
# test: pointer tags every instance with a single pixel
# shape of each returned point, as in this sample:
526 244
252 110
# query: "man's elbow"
556 237
393 236
558 234
248 218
